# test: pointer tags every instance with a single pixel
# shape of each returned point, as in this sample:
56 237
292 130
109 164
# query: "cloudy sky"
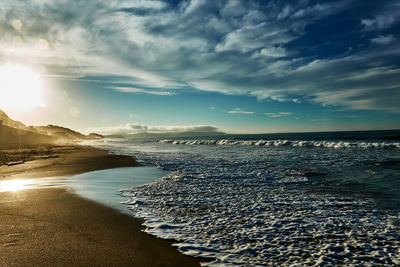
227 65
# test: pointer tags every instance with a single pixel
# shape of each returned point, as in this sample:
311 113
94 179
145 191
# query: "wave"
291 143
254 205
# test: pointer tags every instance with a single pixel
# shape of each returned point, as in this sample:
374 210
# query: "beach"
50 161
54 226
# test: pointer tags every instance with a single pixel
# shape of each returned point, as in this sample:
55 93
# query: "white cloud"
234 8
378 23
142 91
138 4
240 111
232 47
273 52
286 11
277 115
317 10
134 128
254 37
383 40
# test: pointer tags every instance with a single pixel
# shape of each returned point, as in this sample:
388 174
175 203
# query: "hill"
6 121
59 132
10 135
15 132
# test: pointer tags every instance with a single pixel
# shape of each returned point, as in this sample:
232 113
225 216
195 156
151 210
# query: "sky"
238 66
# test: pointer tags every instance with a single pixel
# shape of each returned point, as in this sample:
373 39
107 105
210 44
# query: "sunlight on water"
15 185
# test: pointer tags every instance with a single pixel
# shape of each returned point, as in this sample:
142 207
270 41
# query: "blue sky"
234 66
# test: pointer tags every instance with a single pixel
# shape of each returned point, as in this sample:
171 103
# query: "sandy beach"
55 227
50 160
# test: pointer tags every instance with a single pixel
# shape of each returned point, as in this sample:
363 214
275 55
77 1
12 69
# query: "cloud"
134 128
142 91
387 15
268 49
139 8
273 52
277 115
383 40
240 111
379 22
318 10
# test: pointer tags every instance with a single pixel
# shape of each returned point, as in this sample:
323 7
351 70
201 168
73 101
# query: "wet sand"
55 227
50 161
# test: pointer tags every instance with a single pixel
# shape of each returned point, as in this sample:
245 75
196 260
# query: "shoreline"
53 161
55 226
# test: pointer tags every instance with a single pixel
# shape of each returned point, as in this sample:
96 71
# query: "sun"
20 87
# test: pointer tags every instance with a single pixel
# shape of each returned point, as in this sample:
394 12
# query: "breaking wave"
292 143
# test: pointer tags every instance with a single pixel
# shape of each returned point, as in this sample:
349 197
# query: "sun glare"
20 87
15 185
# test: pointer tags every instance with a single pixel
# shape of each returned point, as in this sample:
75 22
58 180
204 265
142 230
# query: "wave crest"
292 143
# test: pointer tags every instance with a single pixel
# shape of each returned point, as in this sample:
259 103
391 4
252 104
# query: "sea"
330 198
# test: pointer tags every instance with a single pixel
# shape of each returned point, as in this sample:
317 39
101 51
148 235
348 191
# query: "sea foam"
244 205
293 143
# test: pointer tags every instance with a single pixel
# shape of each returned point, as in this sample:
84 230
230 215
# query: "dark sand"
51 161
55 227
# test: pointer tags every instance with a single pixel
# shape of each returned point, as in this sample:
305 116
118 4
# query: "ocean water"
279 199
